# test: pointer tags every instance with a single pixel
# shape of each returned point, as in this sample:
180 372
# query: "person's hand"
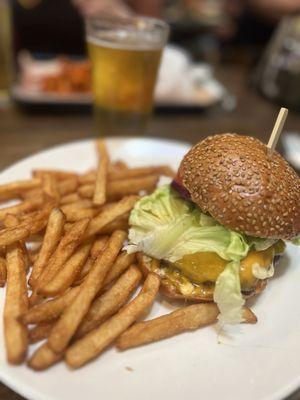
95 7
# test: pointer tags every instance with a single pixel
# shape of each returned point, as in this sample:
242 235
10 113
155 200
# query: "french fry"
92 345
183 319
67 186
51 309
3 251
43 358
58 174
11 235
15 189
114 212
35 226
25 206
96 250
40 214
70 198
88 177
120 265
36 221
98 246
16 304
77 205
118 224
33 256
31 194
11 221
108 206
123 187
119 165
102 150
84 271
66 275
68 226
86 191
26 256
52 237
50 185
123 261
40 332
69 321
73 215
66 247
2 271
110 302
27 227
141 172
99 196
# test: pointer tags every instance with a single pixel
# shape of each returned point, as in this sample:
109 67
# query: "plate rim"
90 140
30 392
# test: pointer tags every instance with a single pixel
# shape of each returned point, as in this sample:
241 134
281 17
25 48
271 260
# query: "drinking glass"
125 54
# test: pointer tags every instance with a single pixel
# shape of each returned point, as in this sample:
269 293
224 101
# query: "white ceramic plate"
250 362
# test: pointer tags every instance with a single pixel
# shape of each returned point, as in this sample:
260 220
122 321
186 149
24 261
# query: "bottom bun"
168 289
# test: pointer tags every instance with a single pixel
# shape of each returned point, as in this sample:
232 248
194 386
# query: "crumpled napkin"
183 81
291 145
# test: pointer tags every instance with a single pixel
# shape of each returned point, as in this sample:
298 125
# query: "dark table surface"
24 134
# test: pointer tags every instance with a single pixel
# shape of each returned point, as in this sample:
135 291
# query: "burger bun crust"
243 185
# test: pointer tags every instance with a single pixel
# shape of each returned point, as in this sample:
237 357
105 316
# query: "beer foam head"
123 39
132 33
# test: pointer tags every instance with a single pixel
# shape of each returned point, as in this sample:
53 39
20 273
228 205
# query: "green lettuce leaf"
260 244
228 296
165 226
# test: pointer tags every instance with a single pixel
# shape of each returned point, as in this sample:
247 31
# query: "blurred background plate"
48 79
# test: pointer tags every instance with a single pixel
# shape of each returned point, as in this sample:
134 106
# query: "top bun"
243 185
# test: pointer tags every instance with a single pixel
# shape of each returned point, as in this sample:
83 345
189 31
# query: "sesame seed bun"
244 186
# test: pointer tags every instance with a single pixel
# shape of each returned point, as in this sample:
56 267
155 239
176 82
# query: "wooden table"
22 135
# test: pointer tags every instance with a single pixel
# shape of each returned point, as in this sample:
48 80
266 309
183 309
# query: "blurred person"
274 9
56 26
152 8
95 7
257 19
249 20
269 9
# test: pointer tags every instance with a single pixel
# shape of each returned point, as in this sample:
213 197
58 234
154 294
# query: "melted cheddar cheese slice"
205 267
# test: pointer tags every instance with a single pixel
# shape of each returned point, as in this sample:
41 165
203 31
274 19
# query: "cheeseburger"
215 233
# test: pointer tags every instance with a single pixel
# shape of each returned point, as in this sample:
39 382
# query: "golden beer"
124 71
5 47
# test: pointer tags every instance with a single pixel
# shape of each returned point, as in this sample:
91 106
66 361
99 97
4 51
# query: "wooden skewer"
277 128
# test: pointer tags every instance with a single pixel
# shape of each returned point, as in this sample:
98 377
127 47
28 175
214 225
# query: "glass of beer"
5 50
125 54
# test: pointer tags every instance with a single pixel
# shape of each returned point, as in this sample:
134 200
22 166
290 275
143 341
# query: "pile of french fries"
68 281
